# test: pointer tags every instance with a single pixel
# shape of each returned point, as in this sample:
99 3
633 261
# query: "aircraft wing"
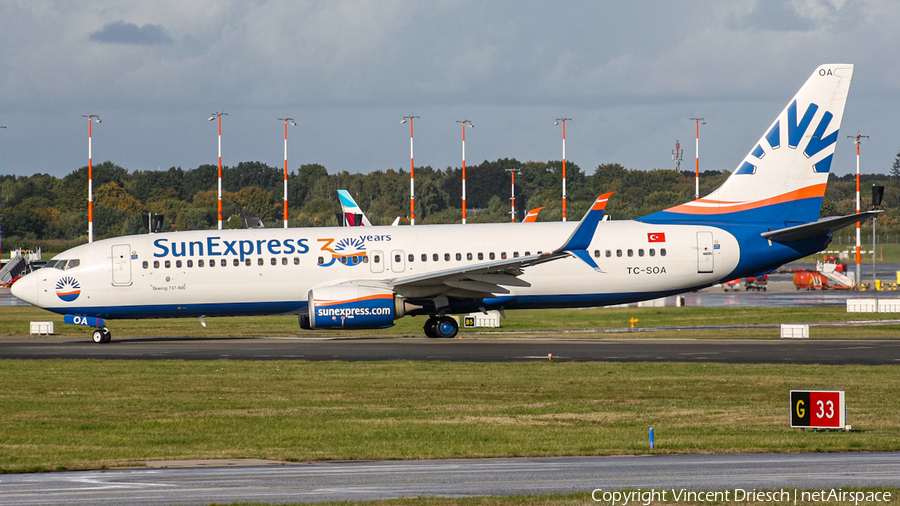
489 279
471 281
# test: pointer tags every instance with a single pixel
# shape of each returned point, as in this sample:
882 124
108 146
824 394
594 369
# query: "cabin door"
704 252
376 261
121 265
398 263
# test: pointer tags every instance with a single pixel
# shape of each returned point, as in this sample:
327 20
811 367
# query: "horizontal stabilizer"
818 228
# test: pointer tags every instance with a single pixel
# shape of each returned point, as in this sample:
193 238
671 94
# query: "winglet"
584 233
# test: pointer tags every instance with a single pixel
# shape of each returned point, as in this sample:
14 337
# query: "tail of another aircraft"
781 182
353 215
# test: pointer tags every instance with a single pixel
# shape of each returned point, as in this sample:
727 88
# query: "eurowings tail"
781 182
353 215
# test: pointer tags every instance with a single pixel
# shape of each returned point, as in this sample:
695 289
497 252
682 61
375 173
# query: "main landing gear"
441 326
101 335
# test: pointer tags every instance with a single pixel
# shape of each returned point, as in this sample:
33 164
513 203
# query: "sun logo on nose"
68 289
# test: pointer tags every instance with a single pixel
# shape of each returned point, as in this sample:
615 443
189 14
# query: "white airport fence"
794 331
490 320
42 328
873 305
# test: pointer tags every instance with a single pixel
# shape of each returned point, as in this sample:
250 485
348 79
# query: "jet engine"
352 305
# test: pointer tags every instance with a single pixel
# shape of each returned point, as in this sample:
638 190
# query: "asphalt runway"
358 481
801 351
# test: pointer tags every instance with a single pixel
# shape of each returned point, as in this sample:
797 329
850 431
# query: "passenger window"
199 263
481 256
321 260
283 260
212 263
434 257
608 253
397 258
491 255
527 253
296 260
596 253
640 252
273 261
168 264
662 252
411 257
178 264
468 256
424 257
503 255
652 252
375 258
236 262
190 263
630 252
458 257
259 261
247 262
223 263
145 265
618 253
446 257
515 254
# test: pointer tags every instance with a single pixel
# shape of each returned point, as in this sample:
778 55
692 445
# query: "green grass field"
584 498
74 414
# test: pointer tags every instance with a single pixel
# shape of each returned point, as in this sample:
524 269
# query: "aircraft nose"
26 288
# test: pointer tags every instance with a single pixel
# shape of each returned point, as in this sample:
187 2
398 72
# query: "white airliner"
764 215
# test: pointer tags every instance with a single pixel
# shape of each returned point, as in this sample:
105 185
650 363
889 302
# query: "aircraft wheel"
429 327
100 336
446 327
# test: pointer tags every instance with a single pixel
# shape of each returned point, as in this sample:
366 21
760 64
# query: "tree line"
45 211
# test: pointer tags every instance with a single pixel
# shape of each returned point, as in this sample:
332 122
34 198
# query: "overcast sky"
630 74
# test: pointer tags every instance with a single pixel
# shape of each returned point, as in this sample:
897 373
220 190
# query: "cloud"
121 32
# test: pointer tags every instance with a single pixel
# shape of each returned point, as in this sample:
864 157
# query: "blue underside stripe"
185 310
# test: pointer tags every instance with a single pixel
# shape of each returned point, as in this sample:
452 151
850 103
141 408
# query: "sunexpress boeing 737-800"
764 215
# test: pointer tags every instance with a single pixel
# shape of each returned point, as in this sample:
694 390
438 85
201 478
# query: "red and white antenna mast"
677 155
699 122
92 118
287 121
218 115
856 138
412 170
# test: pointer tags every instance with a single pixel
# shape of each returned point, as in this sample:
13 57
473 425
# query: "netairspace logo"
737 496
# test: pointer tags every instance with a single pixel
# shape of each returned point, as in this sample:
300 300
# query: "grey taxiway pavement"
356 481
819 351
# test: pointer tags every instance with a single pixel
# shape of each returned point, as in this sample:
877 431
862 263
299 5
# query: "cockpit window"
72 264
56 264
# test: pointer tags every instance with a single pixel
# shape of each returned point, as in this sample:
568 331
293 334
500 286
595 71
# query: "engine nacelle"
351 306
